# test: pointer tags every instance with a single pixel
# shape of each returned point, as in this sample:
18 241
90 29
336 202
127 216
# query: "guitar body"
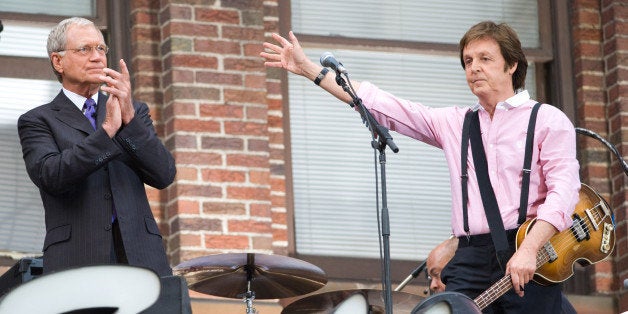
588 241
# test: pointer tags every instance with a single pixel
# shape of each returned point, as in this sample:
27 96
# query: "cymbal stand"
249 296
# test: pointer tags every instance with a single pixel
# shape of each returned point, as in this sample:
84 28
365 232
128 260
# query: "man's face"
433 271
78 69
486 69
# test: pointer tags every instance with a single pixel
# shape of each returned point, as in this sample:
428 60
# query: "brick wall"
600 49
614 22
199 66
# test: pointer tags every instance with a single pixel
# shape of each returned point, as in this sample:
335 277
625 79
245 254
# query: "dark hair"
509 45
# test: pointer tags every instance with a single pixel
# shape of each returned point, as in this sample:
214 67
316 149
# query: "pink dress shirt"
554 181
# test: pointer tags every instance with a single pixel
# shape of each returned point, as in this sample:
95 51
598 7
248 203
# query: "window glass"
57 7
22 226
411 20
24 39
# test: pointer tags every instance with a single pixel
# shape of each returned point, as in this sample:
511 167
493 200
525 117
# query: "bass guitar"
589 240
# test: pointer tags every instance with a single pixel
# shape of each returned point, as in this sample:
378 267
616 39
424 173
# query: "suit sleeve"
59 158
152 161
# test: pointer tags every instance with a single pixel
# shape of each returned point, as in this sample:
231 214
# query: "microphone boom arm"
610 146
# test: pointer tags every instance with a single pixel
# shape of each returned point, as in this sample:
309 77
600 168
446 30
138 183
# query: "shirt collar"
77 99
513 102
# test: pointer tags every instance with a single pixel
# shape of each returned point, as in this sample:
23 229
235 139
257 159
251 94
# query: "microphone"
329 61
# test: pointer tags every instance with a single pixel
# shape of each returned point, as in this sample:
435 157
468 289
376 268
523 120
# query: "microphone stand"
415 273
383 139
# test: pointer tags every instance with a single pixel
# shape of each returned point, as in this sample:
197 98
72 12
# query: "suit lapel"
69 114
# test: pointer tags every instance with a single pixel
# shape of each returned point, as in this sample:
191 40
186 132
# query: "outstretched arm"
290 56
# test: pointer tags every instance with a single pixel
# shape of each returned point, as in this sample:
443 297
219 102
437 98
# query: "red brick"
194 61
242 33
176 12
182 109
260 210
187 173
184 189
195 224
227 110
247 160
192 29
244 96
223 47
187 240
245 128
220 176
196 125
256 145
280 218
248 226
224 208
262 243
255 81
278 200
256 112
259 177
197 158
247 193
222 143
230 242
210 77
217 16
244 64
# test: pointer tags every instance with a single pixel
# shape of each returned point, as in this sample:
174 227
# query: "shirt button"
107 196
107 227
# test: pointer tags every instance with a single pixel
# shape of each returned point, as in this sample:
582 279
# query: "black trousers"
474 268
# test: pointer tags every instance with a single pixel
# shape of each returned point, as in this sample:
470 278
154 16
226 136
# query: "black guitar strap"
471 131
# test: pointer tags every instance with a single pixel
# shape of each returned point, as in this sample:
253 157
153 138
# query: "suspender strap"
464 177
527 162
493 216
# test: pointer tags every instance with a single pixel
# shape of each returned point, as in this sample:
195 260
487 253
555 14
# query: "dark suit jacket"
81 172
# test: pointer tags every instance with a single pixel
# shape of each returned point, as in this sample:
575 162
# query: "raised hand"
288 55
118 85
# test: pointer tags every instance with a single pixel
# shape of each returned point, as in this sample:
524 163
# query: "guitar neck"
502 286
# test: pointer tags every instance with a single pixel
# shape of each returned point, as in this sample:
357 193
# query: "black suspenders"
471 122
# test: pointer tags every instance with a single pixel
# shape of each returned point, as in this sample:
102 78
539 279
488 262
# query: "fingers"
117 83
124 70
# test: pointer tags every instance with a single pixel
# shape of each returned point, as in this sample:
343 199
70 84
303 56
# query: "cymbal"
352 301
270 276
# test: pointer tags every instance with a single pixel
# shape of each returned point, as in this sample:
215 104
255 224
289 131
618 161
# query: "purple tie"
89 110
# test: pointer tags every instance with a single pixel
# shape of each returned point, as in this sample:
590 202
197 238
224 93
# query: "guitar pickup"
579 229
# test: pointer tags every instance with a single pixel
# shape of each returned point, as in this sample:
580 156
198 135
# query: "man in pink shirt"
495 68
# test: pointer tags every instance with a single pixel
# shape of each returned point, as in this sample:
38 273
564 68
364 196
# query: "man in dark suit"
91 175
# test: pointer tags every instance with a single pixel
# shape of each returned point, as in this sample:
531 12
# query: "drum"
447 303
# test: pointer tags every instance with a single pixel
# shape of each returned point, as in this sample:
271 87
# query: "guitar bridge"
551 252
579 229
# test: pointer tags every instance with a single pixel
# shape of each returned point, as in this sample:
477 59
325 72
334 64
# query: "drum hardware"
359 301
251 276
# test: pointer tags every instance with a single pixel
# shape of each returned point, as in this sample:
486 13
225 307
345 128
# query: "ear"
512 69
56 59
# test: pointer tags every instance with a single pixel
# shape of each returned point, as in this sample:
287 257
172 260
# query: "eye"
84 50
101 49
